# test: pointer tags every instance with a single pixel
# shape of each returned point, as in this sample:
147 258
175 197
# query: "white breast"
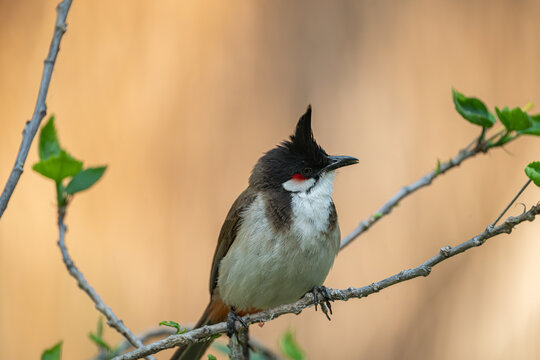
264 268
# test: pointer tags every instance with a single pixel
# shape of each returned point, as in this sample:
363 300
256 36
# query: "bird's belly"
263 269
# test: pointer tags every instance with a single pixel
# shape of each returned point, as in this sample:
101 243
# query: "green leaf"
173 324
290 347
98 340
85 179
48 142
473 110
58 167
520 119
534 129
211 357
53 353
514 119
533 172
99 331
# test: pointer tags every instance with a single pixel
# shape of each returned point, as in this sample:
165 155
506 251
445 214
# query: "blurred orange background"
180 98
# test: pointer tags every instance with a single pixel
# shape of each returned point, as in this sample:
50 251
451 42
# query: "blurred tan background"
180 98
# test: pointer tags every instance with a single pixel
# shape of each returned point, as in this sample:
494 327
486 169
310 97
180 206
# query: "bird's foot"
231 319
325 304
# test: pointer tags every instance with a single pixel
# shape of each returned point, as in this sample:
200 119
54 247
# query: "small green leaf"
290 347
53 353
438 168
473 110
514 119
173 324
48 141
99 331
528 107
211 357
533 172
377 215
99 341
58 167
85 179
534 129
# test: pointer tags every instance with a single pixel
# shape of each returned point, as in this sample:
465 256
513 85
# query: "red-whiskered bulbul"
280 237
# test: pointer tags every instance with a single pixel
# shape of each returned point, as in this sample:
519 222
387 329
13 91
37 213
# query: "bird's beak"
340 161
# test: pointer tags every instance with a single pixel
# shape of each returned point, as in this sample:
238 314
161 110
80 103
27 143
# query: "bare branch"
255 345
424 269
480 146
112 320
40 110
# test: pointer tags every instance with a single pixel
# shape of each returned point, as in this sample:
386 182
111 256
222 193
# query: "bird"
280 237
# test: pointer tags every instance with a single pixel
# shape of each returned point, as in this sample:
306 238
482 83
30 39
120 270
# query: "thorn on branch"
524 207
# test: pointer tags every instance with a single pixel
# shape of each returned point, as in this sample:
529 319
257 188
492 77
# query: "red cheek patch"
299 177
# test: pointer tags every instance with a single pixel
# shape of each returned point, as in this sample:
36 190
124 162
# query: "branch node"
375 288
445 251
25 129
426 270
62 27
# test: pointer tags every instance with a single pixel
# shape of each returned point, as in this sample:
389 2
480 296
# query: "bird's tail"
215 312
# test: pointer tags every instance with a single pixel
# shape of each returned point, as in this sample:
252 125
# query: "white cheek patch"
294 185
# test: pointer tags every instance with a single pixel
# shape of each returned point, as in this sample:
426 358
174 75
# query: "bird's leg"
325 304
231 318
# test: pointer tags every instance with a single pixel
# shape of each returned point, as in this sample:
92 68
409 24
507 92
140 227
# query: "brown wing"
228 232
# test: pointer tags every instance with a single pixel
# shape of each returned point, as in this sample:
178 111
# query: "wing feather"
228 232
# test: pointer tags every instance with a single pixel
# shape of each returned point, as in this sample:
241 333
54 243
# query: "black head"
298 158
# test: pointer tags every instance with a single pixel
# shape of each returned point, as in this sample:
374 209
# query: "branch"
112 320
239 345
40 110
255 345
481 146
424 269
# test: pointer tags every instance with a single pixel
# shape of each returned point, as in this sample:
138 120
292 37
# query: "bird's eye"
307 171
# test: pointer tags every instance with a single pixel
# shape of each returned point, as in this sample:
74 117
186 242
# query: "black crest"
289 158
303 142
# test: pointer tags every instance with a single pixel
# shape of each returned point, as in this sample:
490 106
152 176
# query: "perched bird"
280 237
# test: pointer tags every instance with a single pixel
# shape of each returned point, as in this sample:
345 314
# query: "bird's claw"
325 304
231 318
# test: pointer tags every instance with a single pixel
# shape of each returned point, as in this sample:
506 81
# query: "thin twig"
464 154
112 320
424 269
40 110
511 202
